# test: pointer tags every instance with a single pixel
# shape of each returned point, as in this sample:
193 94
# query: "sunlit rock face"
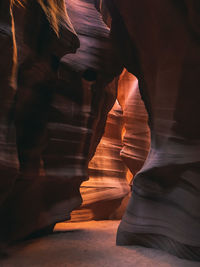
162 50
107 185
125 144
136 135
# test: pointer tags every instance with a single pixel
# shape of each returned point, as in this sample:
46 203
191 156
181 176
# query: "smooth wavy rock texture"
59 121
163 52
35 199
107 185
125 143
136 134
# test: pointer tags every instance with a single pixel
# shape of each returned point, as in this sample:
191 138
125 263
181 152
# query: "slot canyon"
99 133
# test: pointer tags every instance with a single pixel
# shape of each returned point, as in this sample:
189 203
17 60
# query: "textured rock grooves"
59 111
35 200
61 72
164 209
125 143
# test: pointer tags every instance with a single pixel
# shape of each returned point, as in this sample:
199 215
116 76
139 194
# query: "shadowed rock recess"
98 97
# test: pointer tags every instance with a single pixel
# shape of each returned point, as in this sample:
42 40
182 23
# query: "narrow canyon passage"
100 130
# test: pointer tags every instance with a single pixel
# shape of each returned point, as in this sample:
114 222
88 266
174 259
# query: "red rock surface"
59 121
107 185
125 143
136 135
162 49
54 105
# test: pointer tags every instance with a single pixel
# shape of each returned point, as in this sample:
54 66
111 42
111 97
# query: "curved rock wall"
59 109
125 143
163 52
136 136
54 107
107 185
31 36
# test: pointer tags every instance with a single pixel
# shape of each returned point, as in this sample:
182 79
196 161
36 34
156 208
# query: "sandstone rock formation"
60 108
161 48
126 138
96 65
38 48
59 76
107 185
136 135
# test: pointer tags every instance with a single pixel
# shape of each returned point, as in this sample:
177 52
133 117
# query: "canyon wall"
161 49
61 72
56 104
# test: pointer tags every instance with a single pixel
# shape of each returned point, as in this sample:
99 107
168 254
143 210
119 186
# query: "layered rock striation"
161 48
59 106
